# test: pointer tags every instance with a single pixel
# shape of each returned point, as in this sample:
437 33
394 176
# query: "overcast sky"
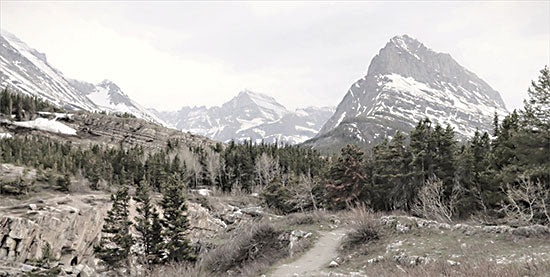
170 54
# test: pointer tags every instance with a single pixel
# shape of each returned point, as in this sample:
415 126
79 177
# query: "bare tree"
431 202
192 164
213 165
302 193
526 202
266 168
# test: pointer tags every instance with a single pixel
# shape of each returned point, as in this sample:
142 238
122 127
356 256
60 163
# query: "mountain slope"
28 71
107 96
250 116
406 82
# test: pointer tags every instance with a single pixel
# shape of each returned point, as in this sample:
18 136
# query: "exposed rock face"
250 116
93 128
28 71
405 83
71 224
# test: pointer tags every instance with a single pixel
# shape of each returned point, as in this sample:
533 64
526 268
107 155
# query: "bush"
254 248
366 227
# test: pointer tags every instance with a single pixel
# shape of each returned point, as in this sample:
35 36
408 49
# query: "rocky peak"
405 82
249 102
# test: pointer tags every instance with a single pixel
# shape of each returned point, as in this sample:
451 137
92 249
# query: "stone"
453 263
10 244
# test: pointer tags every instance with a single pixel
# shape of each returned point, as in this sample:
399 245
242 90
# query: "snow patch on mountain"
406 82
250 116
28 71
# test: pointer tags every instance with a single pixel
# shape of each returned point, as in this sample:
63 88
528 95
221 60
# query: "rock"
453 263
333 264
401 228
253 211
78 268
24 234
67 269
529 231
27 268
375 260
496 229
10 244
87 272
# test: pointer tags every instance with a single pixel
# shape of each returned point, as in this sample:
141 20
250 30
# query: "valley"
421 169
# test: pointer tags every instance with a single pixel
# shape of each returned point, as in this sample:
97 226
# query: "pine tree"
422 153
533 141
348 178
536 111
114 247
148 225
175 222
64 183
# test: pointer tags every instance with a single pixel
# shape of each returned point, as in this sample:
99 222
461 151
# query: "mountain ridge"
406 82
28 71
249 116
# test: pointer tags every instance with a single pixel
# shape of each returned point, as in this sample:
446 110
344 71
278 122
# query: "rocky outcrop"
403 224
113 131
70 224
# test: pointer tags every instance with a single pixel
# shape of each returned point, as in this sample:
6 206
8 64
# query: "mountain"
107 96
405 83
250 116
28 71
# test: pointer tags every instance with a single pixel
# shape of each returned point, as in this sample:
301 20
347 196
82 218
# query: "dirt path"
317 258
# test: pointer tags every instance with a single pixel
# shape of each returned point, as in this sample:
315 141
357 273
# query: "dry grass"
365 227
248 252
470 269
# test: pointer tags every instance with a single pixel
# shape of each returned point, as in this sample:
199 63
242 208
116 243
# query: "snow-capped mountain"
250 116
27 70
107 96
407 82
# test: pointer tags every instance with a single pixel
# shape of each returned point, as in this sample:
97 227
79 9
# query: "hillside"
28 71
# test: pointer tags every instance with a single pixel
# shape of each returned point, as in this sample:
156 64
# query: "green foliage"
347 178
64 183
175 222
46 264
276 196
148 225
18 186
114 246
23 106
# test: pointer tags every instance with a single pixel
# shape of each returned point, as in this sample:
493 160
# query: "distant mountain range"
250 116
405 83
27 70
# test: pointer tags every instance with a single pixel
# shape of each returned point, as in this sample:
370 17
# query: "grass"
432 251
470 269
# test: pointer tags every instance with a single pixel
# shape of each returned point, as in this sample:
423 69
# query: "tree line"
503 173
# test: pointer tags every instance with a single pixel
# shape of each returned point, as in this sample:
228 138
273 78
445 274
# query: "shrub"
256 247
432 203
365 227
